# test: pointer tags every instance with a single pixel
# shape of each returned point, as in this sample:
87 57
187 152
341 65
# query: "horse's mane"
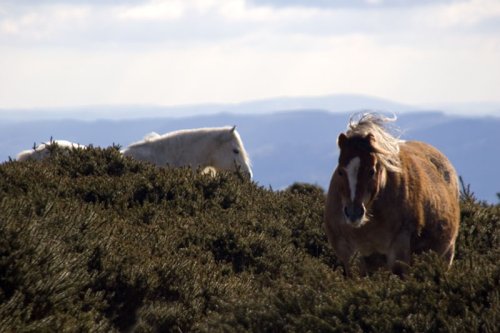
191 132
376 125
151 137
243 151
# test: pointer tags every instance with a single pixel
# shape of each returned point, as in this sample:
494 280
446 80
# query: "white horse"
42 151
219 148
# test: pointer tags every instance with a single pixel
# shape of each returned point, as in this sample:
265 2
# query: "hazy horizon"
331 103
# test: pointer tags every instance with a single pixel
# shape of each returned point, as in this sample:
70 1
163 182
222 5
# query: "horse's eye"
236 151
371 172
341 173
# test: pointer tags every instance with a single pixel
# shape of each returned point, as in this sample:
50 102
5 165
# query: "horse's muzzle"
247 174
354 214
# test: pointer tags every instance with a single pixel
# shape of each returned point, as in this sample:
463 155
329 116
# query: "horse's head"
231 154
358 177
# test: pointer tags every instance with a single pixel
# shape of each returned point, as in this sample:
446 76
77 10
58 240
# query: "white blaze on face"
352 175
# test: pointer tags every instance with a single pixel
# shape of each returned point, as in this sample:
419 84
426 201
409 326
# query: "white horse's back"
41 151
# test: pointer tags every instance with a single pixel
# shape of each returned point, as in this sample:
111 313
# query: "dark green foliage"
90 241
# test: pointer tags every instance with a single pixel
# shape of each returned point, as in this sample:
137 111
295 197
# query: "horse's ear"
341 140
374 146
233 129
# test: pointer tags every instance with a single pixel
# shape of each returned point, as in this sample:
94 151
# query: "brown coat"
414 210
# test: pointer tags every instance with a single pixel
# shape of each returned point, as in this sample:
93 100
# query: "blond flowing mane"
376 125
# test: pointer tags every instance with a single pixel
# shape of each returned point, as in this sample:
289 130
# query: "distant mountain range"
339 103
285 147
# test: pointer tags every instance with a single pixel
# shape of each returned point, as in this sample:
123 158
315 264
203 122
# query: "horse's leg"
346 264
343 250
373 262
399 256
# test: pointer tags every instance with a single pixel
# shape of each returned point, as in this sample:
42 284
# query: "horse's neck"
391 190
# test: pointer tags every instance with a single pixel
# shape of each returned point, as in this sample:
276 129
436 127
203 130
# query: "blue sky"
56 53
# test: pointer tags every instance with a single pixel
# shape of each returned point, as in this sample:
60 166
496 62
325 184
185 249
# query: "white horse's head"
229 153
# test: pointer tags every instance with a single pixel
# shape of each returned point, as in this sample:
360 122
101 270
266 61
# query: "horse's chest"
369 239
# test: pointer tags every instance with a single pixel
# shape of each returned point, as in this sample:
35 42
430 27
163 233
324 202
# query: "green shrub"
92 241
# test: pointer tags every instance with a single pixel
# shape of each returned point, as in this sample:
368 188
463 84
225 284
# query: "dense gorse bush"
90 241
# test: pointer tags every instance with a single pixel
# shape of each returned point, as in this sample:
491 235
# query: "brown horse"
390 198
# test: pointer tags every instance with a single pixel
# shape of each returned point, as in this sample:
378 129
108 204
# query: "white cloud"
468 13
43 23
161 21
190 51
460 14
155 10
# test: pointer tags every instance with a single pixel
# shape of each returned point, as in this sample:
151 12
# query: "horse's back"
433 191
41 151
25 155
434 167
144 151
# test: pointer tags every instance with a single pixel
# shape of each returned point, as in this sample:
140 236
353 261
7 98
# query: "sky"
56 53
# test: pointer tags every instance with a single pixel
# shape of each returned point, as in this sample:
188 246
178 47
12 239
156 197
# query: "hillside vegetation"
90 241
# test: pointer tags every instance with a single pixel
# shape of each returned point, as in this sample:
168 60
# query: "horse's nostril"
354 212
346 211
360 211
